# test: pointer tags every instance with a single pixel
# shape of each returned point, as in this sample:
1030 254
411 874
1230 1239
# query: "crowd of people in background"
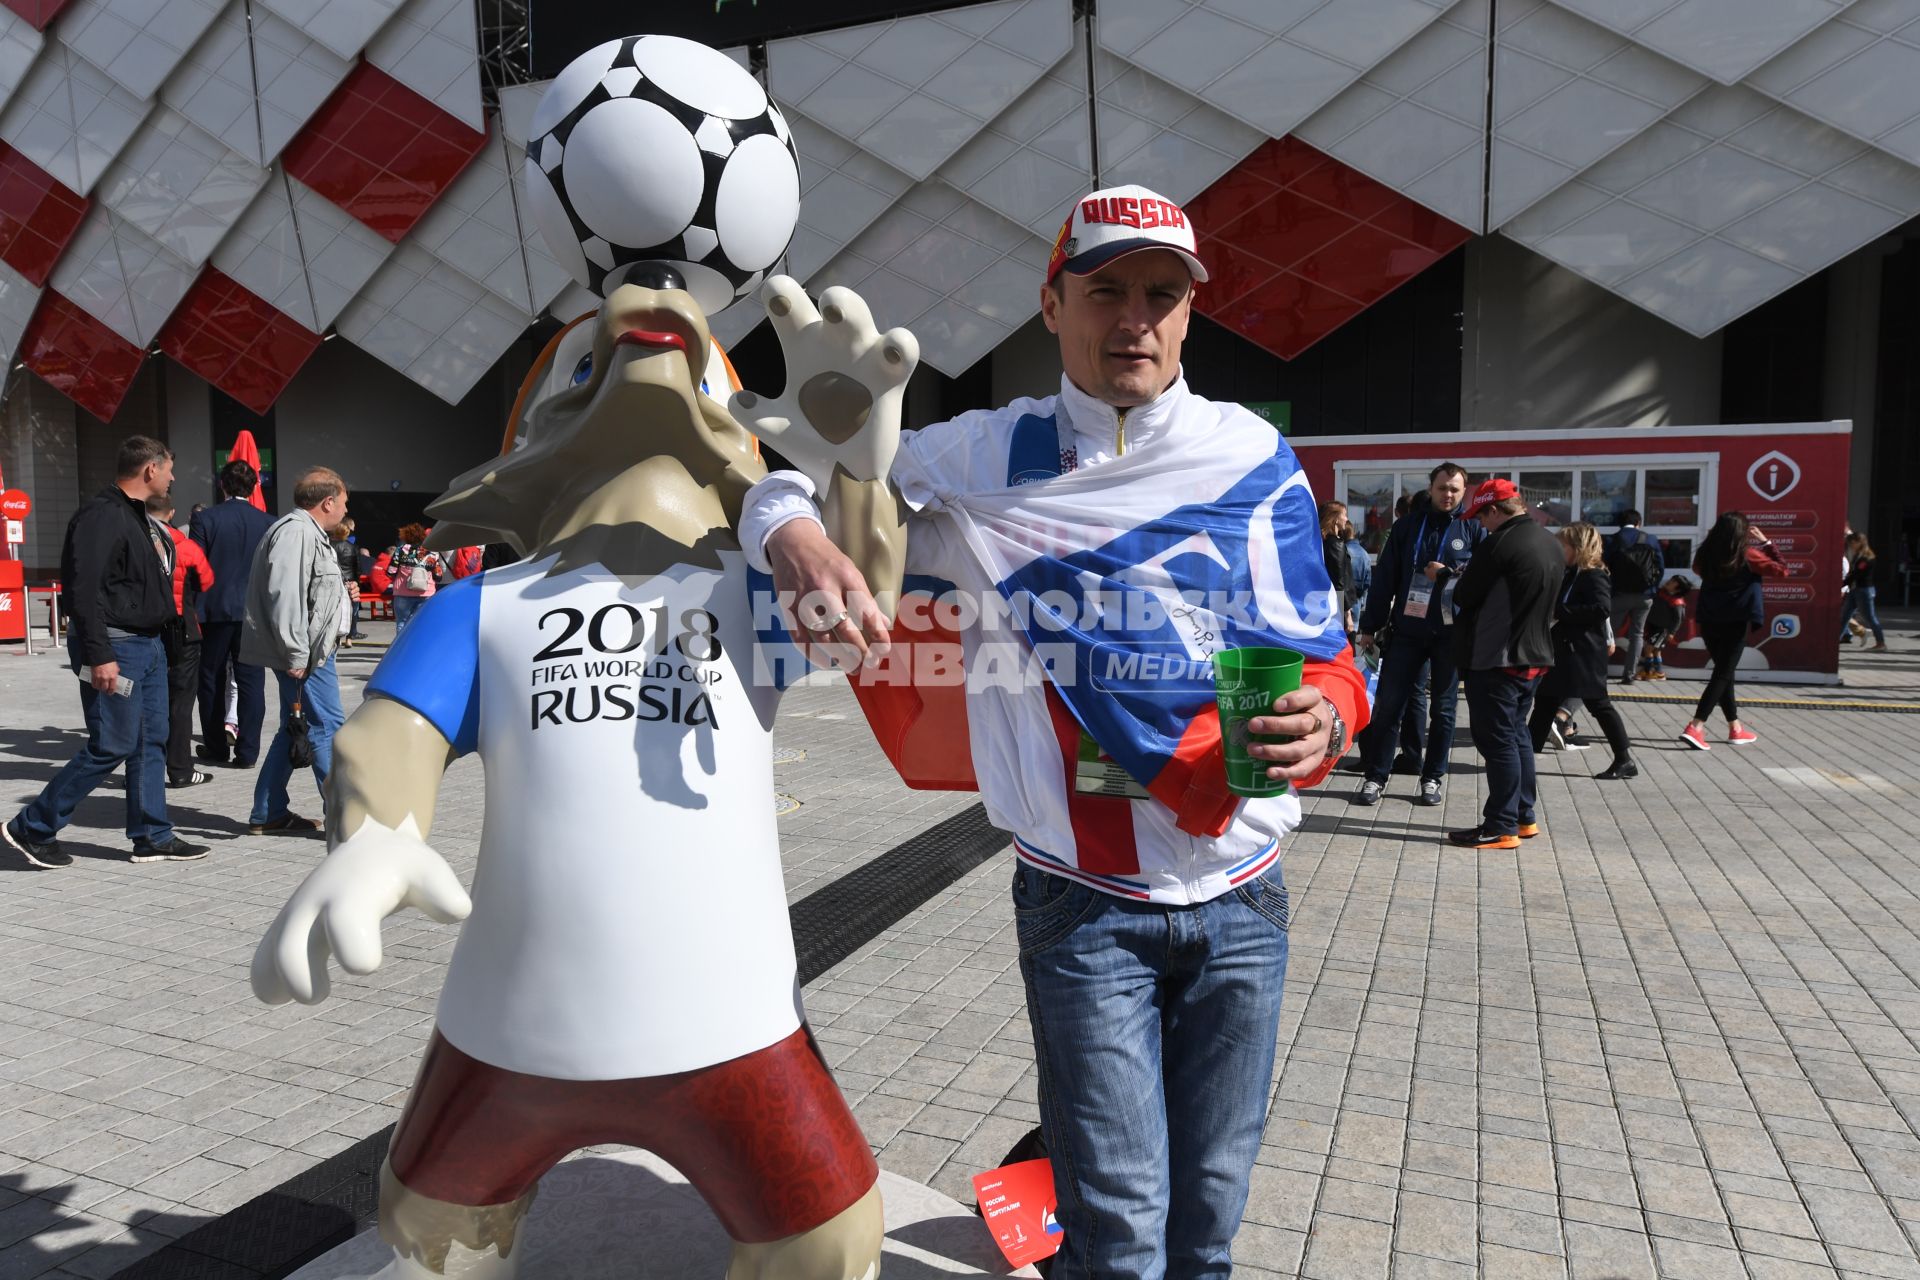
161 619
1471 586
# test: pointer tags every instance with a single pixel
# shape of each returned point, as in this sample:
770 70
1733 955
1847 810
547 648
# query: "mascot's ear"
569 344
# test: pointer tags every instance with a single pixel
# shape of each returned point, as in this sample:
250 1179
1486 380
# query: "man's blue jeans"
133 729
324 717
1399 678
1499 704
1154 1030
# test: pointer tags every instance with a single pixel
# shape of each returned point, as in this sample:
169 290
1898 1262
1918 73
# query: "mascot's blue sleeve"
433 667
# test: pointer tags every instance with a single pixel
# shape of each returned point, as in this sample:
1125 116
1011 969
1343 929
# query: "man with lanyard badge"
1412 588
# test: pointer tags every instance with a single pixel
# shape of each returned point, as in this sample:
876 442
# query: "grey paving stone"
1675 1037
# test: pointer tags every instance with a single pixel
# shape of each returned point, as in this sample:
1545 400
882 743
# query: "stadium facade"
1421 215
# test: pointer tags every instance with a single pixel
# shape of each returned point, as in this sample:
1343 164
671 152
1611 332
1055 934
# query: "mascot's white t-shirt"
629 913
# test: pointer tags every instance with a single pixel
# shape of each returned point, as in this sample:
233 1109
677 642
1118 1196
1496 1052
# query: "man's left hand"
1306 715
298 673
1433 570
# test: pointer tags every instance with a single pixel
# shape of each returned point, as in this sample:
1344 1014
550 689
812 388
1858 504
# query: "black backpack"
1634 568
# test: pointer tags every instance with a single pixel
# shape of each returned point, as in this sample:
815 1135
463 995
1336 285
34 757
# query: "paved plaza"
1674 1036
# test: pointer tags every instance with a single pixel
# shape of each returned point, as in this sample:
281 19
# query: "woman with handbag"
1582 643
416 574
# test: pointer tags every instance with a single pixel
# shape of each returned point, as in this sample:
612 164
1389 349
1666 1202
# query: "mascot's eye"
582 371
703 387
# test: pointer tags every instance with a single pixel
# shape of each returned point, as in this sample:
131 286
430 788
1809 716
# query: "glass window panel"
1549 495
1673 497
1412 482
1370 505
1605 494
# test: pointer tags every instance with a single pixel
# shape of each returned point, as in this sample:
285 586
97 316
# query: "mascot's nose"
655 275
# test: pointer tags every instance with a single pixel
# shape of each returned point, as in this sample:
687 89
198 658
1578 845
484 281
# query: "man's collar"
309 515
1143 421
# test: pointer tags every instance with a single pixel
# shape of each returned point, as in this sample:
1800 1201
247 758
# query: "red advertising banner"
13 600
1790 481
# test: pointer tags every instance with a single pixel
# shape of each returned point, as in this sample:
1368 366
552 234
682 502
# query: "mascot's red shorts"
766 1139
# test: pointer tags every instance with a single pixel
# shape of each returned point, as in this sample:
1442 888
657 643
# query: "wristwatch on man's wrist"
1337 737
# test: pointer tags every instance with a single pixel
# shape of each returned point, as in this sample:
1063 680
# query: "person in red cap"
1154 946
1503 642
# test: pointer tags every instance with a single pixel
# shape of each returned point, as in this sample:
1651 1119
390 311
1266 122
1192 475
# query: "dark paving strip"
1794 704
838 919
275 1234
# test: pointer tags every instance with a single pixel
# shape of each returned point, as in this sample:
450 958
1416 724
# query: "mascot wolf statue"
625 973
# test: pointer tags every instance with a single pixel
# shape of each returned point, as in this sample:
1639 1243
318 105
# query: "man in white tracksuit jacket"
1153 944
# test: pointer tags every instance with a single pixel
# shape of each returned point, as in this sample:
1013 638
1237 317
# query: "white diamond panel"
1722 39
1860 73
1272 63
1567 93
70 118
1729 201
957 274
180 185
343 26
121 277
136 42
439 329
1417 121
1030 163
254 87
914 90
433 47
1153 134
18 298
842 191
301 252
475 229
19 46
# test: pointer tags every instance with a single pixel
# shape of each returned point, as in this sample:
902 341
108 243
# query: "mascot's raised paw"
845 379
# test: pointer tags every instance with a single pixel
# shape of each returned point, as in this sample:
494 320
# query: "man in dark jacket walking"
1636 567
1503 641
1423 549
117 566
229 533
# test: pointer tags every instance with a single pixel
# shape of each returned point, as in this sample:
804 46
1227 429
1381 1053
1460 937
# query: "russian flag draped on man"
1127 576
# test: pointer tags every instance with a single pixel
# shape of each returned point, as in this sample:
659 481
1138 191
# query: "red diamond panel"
381 151
1297 244
38 215
38 12
79 357
237 340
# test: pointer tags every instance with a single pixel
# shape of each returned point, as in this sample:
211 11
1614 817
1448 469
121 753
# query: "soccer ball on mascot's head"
653 150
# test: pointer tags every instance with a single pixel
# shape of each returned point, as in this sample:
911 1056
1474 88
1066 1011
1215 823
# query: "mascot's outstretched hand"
845 382
339 907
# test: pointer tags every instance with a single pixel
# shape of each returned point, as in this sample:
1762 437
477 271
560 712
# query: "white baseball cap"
1117 221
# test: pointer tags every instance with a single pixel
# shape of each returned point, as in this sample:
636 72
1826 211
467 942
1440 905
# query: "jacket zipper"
1119 432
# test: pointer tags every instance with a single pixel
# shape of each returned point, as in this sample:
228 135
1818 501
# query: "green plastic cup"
1246 682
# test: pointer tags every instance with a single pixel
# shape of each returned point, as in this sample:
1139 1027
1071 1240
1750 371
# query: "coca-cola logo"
1773 475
